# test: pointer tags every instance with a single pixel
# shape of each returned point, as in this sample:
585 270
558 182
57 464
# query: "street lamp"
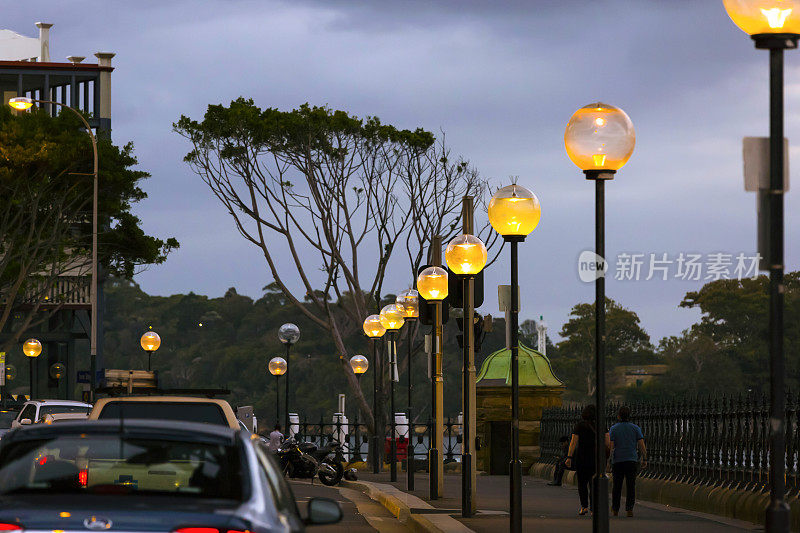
392 318
277 367
774 25
375 330
466 256
408 301
288 334
359 364
32 348
21 103
433 287
599 139
514 212
150 342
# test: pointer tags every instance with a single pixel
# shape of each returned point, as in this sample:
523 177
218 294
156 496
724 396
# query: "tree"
45 229
626 343
322 182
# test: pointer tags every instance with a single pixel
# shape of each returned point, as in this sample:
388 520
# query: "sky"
501 78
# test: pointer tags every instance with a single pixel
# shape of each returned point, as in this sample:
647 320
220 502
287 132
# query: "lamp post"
408 301
375 330
32 348
359 364
392 319
11 374
774 25
599 139
150 342
288 334
432 286
514 212
277 367
22 103
466 256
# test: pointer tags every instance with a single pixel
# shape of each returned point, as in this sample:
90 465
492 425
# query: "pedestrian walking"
581 456
558 473
627 452
275 439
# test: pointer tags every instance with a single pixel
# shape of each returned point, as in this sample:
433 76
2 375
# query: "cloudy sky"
501 78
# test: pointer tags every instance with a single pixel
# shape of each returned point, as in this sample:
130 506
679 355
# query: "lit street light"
392 318
359 364
277 367
432 287
514 212
375 330
774 25
288 334
22 103
408 301
150 342
466 256
599 139
32 348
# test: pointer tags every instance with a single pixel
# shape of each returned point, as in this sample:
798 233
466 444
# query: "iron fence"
355 437
715 441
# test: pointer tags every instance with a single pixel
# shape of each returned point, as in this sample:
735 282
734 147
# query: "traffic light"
455 287
426 308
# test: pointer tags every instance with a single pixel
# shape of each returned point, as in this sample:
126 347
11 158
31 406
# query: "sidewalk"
554 509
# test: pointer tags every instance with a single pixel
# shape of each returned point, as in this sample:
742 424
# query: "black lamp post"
408 301
359 364
774 25
599 139
375 330
514 213
32 348
288 334
392 318
277 367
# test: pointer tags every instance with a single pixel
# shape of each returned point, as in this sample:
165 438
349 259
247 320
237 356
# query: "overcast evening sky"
500 78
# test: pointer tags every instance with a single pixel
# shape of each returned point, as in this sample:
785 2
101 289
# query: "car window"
6 417
281 492
206 413
28 412
54 409
118 466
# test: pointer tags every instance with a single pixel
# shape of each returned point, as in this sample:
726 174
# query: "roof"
227 410
534 369
15 47
59 402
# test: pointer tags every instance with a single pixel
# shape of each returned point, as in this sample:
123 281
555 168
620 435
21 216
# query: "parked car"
146 475
34 411
180 408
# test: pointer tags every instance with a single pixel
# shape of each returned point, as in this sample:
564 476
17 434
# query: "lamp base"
780 41
514 238
600 174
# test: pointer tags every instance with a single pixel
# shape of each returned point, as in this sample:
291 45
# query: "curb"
401 504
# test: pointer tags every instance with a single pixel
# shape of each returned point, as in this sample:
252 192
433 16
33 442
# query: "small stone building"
539 388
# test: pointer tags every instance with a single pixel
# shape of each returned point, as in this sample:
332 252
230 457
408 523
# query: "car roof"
59 402
161 399
143 428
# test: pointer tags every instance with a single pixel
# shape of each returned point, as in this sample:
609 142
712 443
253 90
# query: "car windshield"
56 409
6 417
206 413
114 465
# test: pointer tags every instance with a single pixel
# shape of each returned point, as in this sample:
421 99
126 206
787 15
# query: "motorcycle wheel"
331 480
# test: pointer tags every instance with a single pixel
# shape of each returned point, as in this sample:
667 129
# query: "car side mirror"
25 422
323 511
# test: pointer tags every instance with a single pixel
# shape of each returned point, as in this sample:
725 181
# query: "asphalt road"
361 514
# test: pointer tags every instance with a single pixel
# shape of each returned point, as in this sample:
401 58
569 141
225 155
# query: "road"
361 514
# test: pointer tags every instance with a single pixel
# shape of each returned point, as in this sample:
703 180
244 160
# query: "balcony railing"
71 291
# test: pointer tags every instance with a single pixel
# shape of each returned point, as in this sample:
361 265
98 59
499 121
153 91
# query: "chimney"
44 41
104 60
75 59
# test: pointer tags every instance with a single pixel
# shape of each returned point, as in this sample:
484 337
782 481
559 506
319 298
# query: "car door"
281 492
29 411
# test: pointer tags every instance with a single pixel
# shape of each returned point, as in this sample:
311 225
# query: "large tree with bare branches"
318 183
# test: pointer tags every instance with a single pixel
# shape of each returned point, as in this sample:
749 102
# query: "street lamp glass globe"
21 103
289 333
392 317
277 366
432 284
599 137
11 372
466 254
373 327
765 16
514 211
359 364
32 348
408 301
57 370
150 341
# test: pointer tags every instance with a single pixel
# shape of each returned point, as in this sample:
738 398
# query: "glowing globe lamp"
359 364
373 328
599 137
408 301
392 317
277 366
20 103
150 341
432 284
32 348
514 211
758 17
466 255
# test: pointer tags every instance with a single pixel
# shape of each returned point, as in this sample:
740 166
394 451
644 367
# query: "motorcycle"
305 460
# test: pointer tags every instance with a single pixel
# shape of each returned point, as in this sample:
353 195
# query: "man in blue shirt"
626 441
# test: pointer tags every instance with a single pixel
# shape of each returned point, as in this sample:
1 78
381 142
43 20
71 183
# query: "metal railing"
65 290
712 441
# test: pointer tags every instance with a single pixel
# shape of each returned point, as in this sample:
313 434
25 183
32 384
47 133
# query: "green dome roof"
534 369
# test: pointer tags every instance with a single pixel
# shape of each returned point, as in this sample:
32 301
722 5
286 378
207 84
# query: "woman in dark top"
581 455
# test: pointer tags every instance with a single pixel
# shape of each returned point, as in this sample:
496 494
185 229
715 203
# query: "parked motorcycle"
305 460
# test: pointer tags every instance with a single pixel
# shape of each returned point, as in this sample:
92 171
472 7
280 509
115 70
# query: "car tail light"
197 530
83 477
10 527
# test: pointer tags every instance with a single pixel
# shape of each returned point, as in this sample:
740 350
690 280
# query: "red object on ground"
402 448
